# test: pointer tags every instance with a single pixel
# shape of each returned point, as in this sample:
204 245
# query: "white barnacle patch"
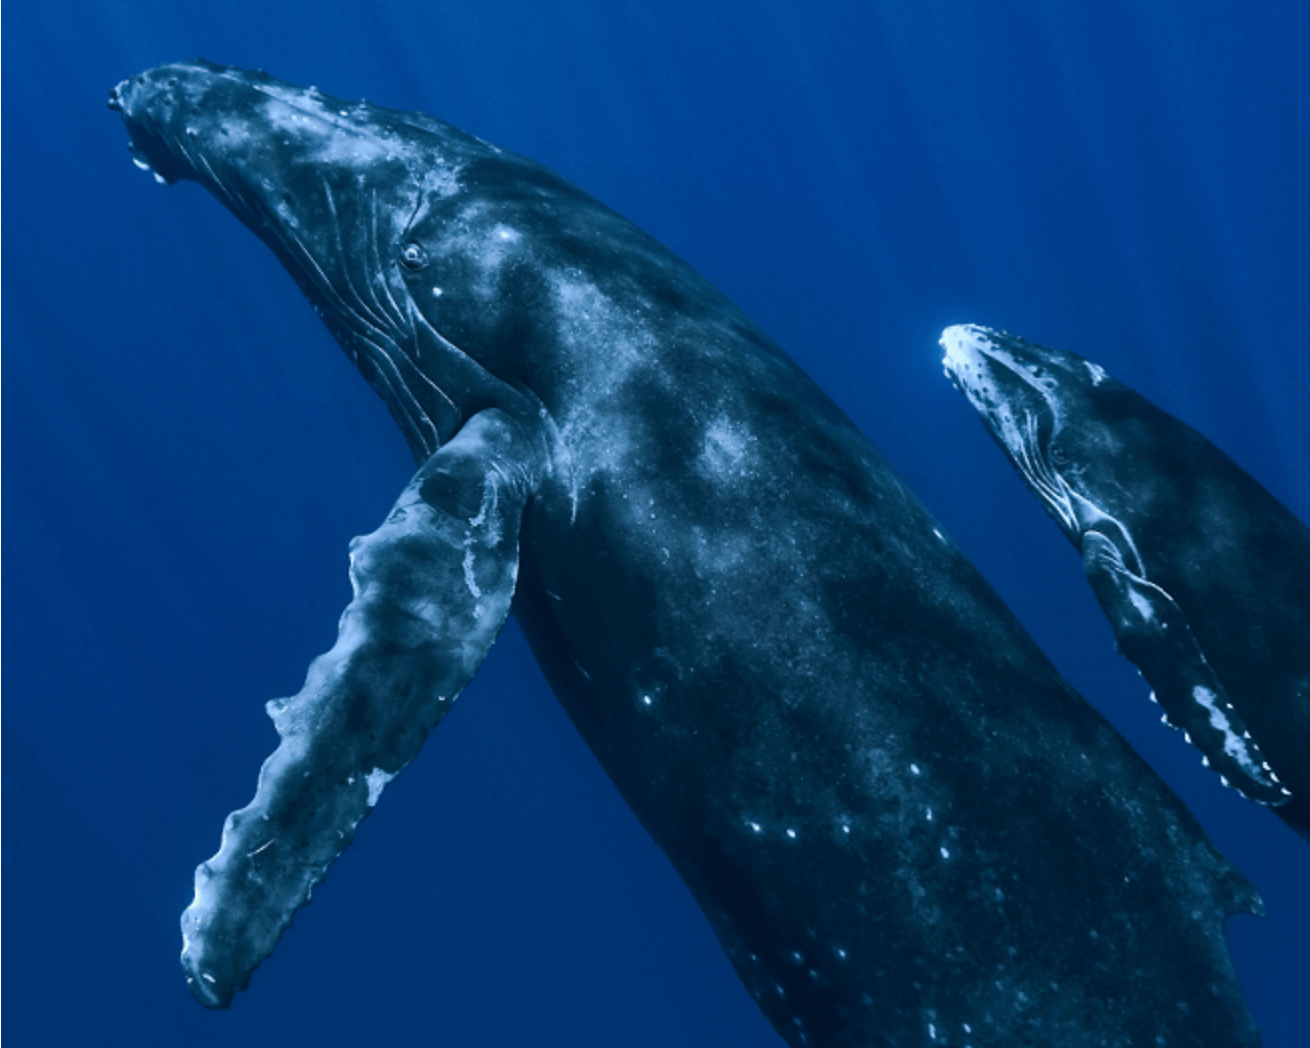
1096 371
377 780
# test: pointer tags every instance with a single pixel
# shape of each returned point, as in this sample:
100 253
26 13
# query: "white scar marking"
469 580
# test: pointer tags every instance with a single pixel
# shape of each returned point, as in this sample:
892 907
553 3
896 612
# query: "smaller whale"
1204 575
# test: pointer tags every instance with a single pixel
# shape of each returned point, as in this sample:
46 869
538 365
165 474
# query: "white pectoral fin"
1154 635
433 587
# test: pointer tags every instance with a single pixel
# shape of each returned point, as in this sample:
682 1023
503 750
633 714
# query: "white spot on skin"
1233 744
437 292
928 813
791 834
646 699
725 447
945 854
755 826
377 780
914 769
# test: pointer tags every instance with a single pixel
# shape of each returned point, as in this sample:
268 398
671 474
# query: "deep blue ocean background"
187 454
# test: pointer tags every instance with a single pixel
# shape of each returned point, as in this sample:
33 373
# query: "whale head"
363 206
1066 426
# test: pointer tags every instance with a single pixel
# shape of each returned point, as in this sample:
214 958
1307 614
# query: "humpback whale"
1204 575
902 824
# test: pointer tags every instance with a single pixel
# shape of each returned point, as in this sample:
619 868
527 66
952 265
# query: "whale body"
903 826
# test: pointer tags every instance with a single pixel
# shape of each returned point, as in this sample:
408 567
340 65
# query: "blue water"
187 453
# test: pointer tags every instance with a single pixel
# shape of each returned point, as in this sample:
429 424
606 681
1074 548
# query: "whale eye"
412 256
1059 457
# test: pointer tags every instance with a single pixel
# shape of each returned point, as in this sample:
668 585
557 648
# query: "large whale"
1204 575
904 827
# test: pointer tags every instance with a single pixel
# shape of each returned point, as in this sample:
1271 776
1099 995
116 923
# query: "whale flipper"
433 587
1153 634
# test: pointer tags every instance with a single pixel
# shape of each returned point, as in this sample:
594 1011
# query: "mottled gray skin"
904 827
1204 575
